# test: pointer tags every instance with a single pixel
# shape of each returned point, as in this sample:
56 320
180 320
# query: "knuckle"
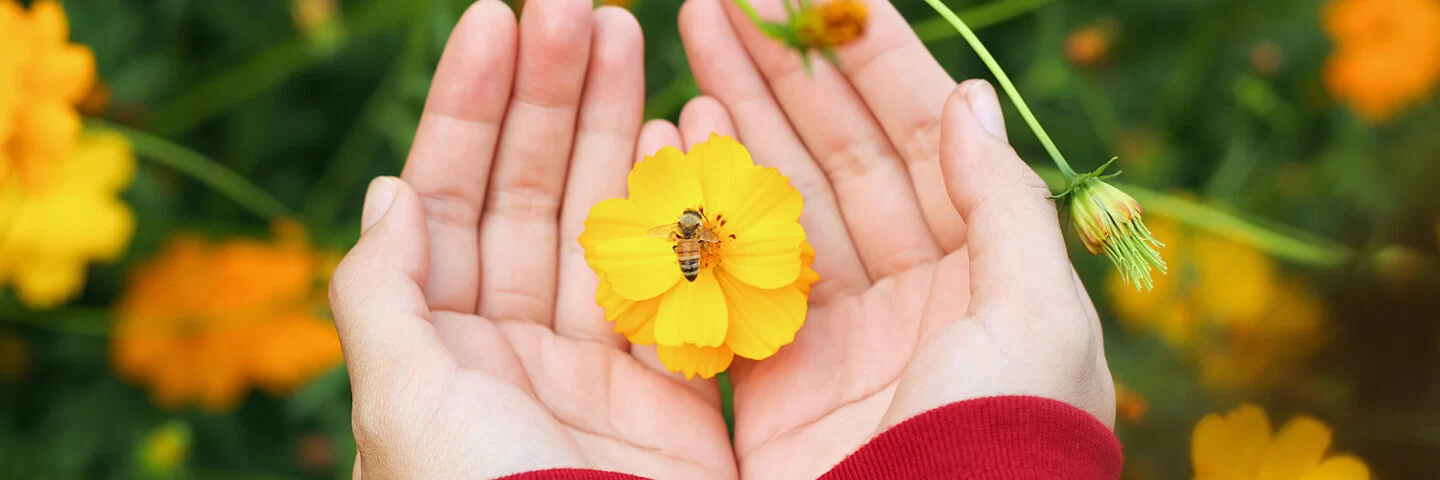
450 210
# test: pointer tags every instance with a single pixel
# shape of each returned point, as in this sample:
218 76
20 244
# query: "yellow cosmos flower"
49 235
750 294
1238 445
204 322
42 78
165 449
1227 306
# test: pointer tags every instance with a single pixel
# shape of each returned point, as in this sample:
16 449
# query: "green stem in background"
1309 251
266 69
202 169
938 28
1009 87
67 319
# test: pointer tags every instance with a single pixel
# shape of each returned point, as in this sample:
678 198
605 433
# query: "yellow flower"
204 322
42 79
1238 445
49 235
749 296
1387 54
1227 306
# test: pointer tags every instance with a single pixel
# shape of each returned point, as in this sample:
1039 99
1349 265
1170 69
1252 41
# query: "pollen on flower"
748 296
1109 221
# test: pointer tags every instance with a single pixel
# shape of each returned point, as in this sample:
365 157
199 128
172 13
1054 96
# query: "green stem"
264 70
202 169
1009 87
73 320
1297 247
937 29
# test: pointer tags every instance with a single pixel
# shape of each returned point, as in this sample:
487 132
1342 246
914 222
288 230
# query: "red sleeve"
986 438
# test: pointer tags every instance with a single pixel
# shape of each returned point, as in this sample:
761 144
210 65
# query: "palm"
573 401
467 313
834 384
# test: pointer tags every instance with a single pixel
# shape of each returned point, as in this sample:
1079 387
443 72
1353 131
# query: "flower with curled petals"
750 295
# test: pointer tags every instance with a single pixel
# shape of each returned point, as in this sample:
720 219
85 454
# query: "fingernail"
985 105
377 201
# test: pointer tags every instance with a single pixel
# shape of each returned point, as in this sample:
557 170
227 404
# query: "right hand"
473 340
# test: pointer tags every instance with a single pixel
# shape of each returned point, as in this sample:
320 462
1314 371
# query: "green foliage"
291 127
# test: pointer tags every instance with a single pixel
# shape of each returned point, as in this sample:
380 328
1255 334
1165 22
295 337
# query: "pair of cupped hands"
467 312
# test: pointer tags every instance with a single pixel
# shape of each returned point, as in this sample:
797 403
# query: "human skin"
467 313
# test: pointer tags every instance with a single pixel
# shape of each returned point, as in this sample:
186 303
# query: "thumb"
376 292
1013 231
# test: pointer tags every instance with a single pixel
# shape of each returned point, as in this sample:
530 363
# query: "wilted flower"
1108 221
815 26
42 78
748 297
1238 445
1387 54
50 234
204 322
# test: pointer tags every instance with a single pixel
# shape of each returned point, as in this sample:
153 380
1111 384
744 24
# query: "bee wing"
663 231
707 235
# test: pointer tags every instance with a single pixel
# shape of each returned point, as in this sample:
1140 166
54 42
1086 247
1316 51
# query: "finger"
449 163
519 234
610 114
723 70
905 88
655 135
702 117
377 292
871 183
1017 253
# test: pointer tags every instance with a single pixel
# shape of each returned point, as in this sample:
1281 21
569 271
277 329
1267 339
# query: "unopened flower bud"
831 24
1108 221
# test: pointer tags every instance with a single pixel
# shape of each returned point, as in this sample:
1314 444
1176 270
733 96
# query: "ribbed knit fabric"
1011 438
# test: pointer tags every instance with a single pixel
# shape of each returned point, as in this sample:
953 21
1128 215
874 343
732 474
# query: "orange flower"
42 78
205 322
831 24
1387 54
1130 405
1088 46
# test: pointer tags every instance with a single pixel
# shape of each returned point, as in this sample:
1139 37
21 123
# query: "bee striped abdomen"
688 252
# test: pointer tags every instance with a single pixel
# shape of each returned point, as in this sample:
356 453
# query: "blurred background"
178 177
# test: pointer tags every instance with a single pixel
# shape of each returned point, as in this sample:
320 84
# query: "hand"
944 273
466 311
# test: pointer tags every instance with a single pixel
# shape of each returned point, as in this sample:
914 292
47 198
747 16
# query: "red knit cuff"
571 474
991 438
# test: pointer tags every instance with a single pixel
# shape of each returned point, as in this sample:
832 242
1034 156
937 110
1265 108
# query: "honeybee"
691 237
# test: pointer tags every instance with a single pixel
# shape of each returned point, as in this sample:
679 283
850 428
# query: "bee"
691 237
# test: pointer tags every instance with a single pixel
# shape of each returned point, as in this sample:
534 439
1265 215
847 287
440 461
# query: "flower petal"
760 321
721 160
1343 467
636 320
1297 449
1229 445
613 219
808 276
692 312
761 195
692 360
638 268
765 255
664 185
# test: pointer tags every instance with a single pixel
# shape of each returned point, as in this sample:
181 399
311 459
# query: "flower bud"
1108 221
831 24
